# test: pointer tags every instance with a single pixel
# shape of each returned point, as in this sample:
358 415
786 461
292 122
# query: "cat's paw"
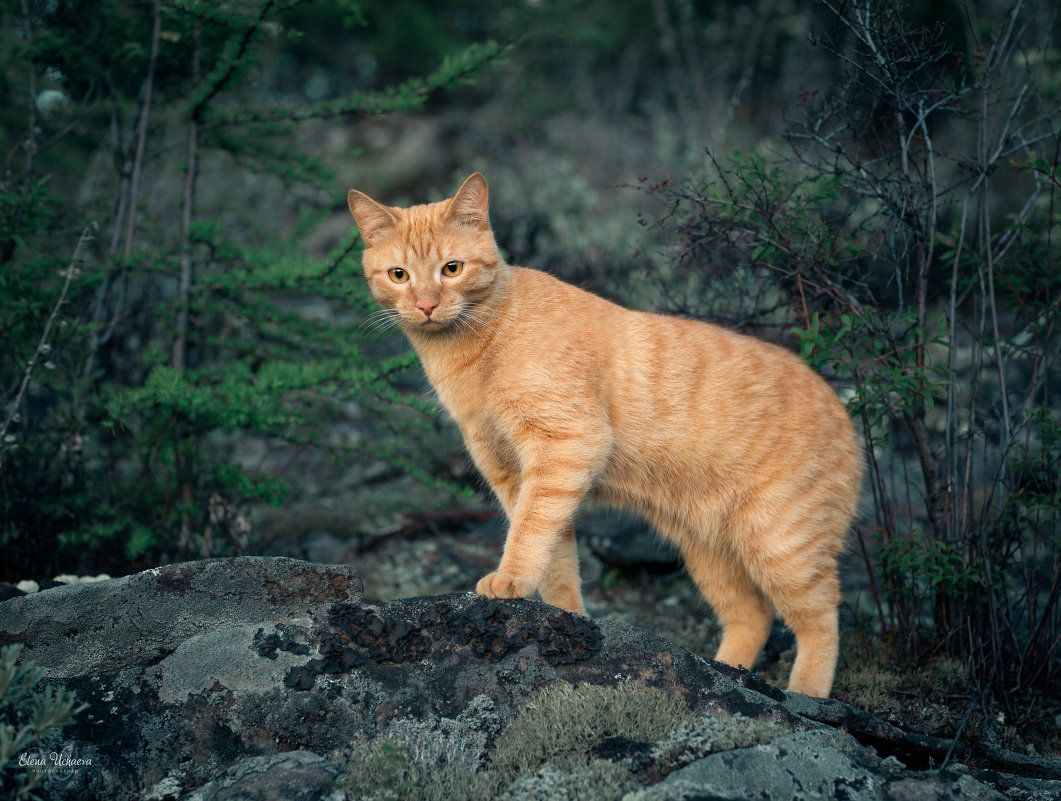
504 585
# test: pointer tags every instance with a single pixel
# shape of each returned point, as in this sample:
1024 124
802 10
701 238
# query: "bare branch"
43 346
141 135
31 135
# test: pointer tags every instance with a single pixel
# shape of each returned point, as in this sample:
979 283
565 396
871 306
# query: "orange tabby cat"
732 447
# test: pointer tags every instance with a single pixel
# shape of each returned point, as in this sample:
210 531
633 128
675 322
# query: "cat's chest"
464 400
473 398
463 392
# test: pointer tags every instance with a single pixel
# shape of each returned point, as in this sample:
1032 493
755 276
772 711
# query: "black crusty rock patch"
267 645
355 635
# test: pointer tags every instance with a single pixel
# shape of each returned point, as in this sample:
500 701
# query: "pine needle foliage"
179 333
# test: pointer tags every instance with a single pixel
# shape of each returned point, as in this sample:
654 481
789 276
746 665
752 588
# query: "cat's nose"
427 306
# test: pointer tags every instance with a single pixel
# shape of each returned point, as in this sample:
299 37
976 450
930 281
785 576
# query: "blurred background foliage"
185 368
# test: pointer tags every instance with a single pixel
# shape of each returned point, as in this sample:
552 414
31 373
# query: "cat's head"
430 266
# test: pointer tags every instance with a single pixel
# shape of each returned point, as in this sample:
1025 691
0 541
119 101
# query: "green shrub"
179 334
914 263
28 720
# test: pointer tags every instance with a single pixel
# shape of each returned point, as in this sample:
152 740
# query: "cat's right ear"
374 220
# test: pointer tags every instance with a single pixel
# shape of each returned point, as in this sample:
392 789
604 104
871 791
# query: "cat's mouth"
432 323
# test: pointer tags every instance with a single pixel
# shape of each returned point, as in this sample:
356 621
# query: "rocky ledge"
267 678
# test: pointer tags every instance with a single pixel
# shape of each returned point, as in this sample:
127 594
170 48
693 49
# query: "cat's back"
694 413
650 364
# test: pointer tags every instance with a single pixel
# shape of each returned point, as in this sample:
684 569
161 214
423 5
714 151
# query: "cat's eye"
398 275
451 269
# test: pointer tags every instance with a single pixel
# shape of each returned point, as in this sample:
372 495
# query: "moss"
563 721
552 749
388 770
380 771
598 779
542 753
385 771
450 744
708 733
930 697
871 687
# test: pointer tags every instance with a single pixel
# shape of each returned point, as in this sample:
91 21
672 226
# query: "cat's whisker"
481 315
470 315
374 317
474 321
379 322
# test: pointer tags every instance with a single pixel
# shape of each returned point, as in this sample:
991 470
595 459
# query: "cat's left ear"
470 205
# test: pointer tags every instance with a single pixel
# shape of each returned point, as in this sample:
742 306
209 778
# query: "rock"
454 668
626 541
100 627
1021 788
916 750
8 591
809 765
265 678
294 776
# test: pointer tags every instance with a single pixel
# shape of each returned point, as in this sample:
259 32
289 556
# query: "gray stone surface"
294 776
454 669
105 626
624 540
258 678
809 766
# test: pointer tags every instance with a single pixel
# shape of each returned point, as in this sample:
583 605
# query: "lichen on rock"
355 635
710 732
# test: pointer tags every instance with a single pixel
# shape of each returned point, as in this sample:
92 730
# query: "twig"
7 248
187 265
368 104
990 745
985 227
958 734
141 134
952 394
218 84
31 137
42 346
180 343
124 173
872 580
128 193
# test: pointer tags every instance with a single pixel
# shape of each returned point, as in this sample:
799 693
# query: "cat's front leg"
500 584
559 585
557 473
504 481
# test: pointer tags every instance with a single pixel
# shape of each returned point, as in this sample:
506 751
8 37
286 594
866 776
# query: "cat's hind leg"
810 610
561 586
742 609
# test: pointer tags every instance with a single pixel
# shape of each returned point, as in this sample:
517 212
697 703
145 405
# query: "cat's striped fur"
732 447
